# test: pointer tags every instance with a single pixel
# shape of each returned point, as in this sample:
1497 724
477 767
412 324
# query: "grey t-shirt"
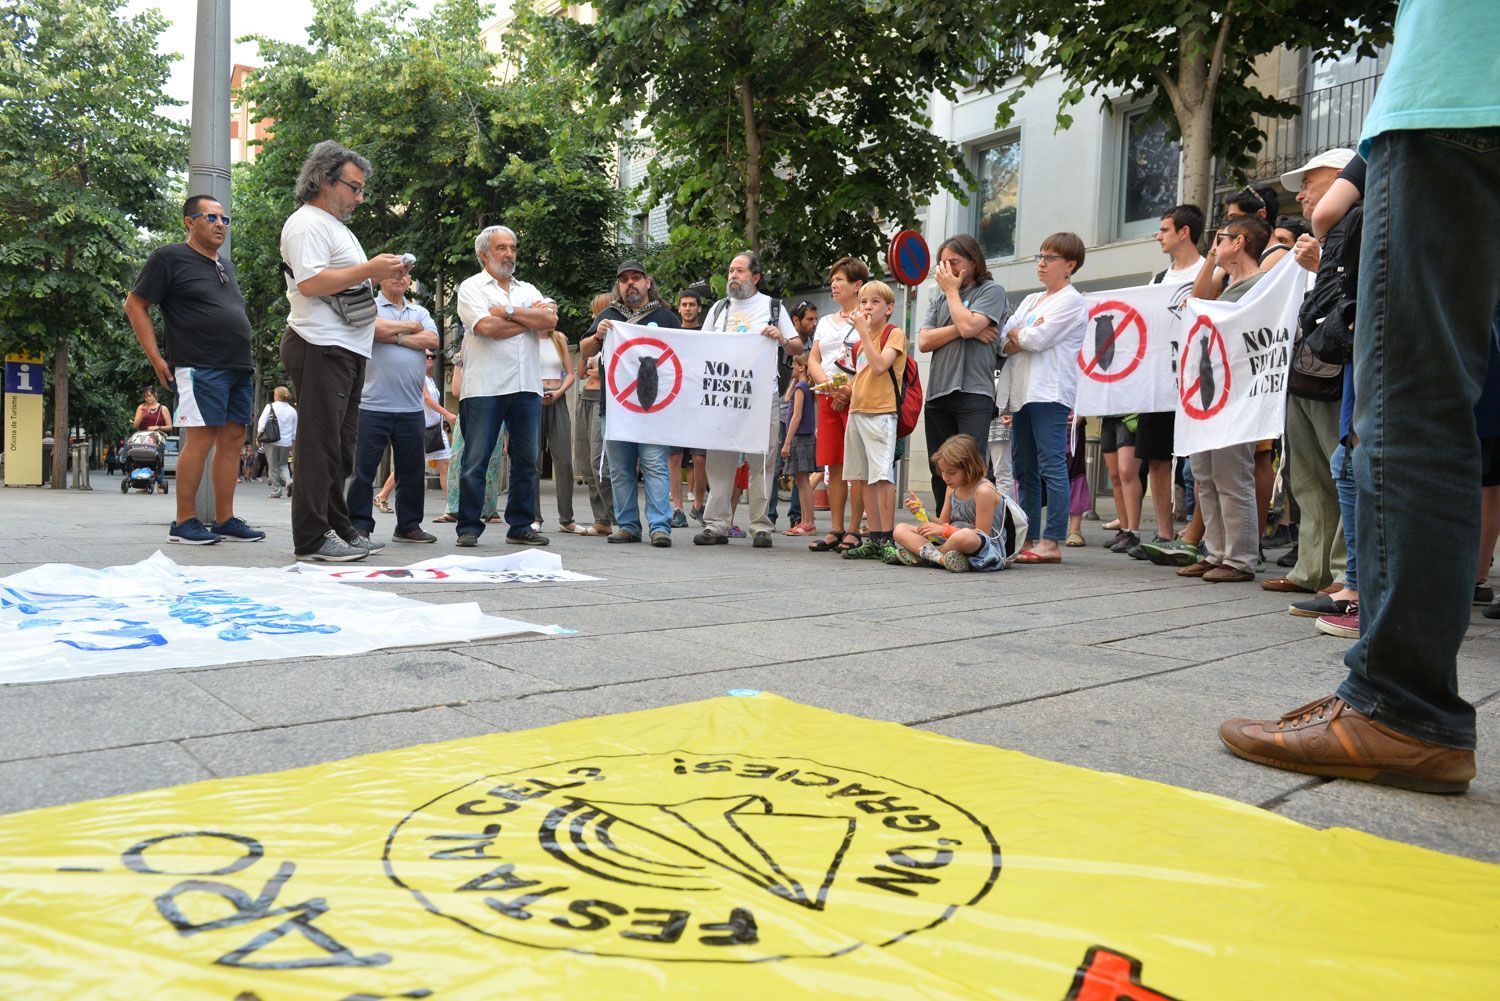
965 365
394 375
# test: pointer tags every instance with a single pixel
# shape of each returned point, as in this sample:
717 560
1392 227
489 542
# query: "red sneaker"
1345 626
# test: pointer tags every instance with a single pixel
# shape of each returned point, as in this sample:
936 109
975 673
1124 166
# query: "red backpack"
908 391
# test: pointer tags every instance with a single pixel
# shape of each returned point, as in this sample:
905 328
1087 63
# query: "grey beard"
741 290
506 270
634 299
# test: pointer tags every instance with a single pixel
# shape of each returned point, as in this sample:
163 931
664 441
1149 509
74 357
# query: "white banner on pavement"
529 567
686 388
1232 366
64 621
1126 364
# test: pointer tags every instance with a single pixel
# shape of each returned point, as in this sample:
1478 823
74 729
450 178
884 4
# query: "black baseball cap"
631 265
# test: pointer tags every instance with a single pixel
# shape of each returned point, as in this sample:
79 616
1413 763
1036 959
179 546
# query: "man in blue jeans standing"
505 320
1428 282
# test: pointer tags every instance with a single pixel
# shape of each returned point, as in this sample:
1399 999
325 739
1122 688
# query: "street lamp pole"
208 151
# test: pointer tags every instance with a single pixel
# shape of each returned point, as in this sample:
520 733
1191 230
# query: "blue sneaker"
235 530
191 533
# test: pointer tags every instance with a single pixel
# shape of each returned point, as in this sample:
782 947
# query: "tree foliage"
86 161
453 149
795 127
1198 57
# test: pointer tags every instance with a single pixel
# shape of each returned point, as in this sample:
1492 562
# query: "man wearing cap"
1314 392
633 301
505 320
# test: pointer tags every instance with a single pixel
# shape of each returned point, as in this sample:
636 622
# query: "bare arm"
815 364
138 312
931 338
442 411
387 330
1341 196
332 280
1208 284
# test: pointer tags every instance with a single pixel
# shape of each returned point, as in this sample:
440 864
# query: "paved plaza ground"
1102 662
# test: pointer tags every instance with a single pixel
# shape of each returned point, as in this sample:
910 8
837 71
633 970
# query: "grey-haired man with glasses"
329 336
207 362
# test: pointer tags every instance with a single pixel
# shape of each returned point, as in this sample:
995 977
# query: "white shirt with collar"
1050 329
499 367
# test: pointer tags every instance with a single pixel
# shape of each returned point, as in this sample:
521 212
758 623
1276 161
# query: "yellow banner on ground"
744 847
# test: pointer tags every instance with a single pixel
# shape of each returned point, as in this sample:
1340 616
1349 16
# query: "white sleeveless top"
551 361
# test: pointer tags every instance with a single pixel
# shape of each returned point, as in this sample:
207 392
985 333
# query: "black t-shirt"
204 317
1354 173
659 317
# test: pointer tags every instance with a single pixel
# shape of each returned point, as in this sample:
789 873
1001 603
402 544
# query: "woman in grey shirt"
962 328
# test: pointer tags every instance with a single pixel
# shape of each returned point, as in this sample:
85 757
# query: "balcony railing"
1331 116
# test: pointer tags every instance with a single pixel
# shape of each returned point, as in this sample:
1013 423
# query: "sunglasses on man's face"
211 217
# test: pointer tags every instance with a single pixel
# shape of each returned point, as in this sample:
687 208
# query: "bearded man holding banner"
747 311
633 301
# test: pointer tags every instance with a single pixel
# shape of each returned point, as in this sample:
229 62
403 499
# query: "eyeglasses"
1225 236
223 276
1049 258
211 217
358 189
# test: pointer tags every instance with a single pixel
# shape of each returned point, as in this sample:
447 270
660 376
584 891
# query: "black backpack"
1333 339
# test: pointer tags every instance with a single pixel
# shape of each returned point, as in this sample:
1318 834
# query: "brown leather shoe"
1227 574
1333 588
1197 569
1328 737
1284 584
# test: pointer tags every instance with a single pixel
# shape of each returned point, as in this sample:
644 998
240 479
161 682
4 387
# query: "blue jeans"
623 456
404 433
1421 347
481 417
1342 468
1040 434
1189 488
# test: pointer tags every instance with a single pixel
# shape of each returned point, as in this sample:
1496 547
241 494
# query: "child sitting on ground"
870 437
973 507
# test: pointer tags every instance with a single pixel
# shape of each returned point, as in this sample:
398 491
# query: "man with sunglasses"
207 362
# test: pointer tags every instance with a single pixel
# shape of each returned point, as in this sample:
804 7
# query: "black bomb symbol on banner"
683 856
1114 321
650 357
1203 392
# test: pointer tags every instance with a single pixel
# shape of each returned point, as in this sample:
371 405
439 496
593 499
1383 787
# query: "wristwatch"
398 341
510 311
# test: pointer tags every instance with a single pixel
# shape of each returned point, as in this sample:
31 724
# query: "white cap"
1338 159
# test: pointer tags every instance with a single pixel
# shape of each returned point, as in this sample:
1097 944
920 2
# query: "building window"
999 169
1148 174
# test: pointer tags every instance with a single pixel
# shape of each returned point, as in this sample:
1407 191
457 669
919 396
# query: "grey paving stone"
67 778
61 717
586 661
281 692
270 750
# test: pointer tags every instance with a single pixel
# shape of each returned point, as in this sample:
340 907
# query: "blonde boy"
870 439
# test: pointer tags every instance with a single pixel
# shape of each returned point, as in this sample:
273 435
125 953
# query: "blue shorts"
213 397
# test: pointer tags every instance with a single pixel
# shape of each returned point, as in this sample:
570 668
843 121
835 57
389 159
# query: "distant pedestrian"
278 449
207 361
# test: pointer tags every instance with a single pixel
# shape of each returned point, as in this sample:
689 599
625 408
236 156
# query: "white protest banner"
530 567
1233 363
1126 364
686 388
64 621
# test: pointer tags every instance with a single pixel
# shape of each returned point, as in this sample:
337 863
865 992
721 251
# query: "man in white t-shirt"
1181 229
505 321
327 342
747 311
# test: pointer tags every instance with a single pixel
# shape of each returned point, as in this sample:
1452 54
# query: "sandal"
494 519
845 545
1029 556
383 506
445 518
1075 539
826 543
568 528
1111 526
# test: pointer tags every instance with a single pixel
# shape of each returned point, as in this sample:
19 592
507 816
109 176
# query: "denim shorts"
213 397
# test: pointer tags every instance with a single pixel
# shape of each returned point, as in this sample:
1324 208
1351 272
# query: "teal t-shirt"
1444 71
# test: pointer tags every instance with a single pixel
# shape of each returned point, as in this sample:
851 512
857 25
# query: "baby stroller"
145 458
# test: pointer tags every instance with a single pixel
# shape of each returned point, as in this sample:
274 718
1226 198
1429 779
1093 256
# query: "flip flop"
446 518
1030 556
826 543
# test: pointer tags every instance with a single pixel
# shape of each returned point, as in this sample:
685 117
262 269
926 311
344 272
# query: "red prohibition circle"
1186 393
908 257
1130 317
625 396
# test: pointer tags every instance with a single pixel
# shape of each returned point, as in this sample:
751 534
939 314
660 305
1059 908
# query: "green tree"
85 160
796 128
1198 57
453 149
